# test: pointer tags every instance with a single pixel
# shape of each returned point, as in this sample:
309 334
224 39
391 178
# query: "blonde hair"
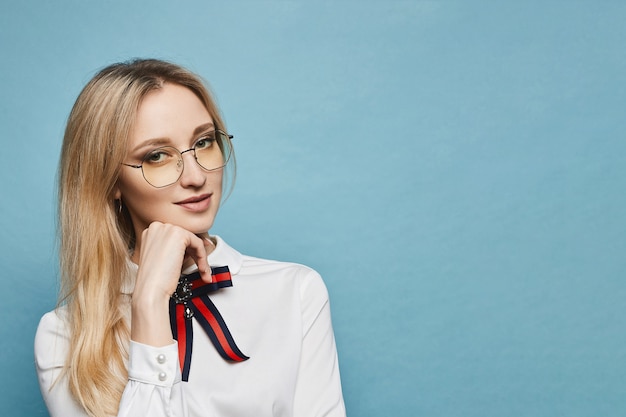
96 238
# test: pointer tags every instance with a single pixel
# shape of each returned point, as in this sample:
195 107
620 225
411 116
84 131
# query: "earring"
119 205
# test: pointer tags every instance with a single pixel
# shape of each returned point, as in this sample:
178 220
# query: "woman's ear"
117 194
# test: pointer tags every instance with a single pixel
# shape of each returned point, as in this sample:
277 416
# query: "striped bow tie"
191 300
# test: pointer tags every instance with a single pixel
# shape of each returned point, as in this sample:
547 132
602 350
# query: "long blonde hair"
96 238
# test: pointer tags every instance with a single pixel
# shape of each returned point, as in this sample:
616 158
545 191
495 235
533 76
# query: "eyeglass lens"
164 166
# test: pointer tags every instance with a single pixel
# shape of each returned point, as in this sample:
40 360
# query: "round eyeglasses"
163 166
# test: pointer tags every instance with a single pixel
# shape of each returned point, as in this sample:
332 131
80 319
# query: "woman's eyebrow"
203 127
156 142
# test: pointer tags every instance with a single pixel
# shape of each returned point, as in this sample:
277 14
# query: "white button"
161 358
162 376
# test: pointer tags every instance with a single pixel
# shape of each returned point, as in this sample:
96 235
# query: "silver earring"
118 203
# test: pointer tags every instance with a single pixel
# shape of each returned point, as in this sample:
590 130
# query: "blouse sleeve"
318 389
154 383
153 387
51 346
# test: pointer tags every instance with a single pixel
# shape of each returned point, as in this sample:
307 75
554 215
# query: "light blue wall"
455 170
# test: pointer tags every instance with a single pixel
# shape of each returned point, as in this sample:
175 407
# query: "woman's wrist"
150 321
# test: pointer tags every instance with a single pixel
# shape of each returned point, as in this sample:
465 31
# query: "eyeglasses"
164 166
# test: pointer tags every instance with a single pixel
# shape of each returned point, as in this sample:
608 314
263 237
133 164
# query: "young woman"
157 317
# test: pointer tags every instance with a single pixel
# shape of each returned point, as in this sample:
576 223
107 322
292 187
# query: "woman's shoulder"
289 276
241 264
51 339
53 321
307 279
252 264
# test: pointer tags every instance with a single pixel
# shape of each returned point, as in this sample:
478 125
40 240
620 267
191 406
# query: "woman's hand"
163 249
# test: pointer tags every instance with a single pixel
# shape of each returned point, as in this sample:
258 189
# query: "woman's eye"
157 157
204 143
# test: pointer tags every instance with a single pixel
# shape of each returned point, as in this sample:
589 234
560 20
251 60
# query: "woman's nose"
193 175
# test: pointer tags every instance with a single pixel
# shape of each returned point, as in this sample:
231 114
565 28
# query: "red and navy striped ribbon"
192 300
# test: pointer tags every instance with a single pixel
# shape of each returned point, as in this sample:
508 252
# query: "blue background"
455 170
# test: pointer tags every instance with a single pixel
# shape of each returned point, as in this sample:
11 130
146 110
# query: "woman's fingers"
209 247
197 249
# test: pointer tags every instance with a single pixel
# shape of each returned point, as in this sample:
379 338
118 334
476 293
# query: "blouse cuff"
154 365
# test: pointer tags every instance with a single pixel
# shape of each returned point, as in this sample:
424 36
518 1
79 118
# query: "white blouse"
278 314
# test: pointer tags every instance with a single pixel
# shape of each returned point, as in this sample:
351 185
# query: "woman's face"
171 116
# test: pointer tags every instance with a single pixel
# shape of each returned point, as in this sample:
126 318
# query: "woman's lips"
197 203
